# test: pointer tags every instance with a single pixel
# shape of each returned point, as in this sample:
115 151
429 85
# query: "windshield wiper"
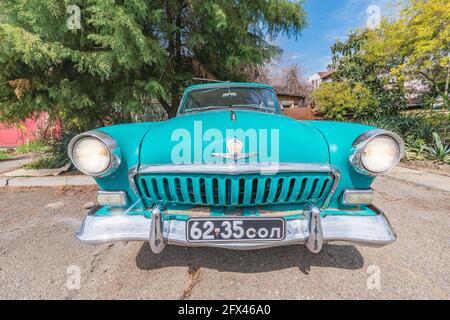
207 108
252 106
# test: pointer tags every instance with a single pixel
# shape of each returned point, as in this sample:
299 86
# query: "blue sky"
327 20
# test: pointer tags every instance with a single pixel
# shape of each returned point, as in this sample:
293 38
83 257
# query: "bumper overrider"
313 228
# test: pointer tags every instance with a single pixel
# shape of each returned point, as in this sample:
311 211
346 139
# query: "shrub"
340 100
439 151
3 155
33 146
56 154
415 148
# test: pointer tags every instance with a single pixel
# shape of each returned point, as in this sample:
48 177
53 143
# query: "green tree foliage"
352 64
339 100
417 45
128 53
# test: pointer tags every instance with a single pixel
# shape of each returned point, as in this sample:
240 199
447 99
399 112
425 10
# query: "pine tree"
128 52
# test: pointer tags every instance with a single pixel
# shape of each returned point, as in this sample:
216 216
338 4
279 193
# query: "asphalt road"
38 253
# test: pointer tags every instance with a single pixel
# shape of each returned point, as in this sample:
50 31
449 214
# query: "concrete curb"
58 181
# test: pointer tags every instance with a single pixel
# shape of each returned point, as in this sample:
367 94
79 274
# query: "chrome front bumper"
313 230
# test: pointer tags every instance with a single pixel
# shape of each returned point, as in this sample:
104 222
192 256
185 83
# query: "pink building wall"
30 129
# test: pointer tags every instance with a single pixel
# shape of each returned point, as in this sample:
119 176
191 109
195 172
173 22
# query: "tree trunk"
447 80
171 112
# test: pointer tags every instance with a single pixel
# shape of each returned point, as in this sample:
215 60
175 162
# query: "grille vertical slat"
203 190
215 190
145 188
190 188
185 191
304 191
295 190
196 190
222 190
177 187
209 191
285 189
313 189
260 191
267 189
324 187
254 190
228 190
248 190
154 191
235 192
167 192
273 190
318 189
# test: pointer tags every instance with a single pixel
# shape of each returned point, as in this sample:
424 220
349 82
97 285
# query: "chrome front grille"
235 190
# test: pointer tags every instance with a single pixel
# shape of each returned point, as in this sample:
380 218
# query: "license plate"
234 229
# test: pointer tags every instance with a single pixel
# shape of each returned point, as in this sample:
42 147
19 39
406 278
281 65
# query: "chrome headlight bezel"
361 142
115 155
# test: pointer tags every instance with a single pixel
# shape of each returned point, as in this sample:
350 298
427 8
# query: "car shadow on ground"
264 260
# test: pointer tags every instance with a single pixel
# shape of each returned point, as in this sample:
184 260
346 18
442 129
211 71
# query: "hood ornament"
235 147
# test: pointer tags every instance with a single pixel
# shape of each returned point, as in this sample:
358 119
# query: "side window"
272 100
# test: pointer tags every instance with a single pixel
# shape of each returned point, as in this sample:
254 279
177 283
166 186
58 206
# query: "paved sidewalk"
13 164
59 181
431 180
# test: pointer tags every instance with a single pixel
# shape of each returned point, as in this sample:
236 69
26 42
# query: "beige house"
316 79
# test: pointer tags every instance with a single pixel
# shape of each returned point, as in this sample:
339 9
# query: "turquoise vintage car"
231 171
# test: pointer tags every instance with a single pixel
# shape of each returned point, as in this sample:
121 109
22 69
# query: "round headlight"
380 154
376 152
91 156
94 153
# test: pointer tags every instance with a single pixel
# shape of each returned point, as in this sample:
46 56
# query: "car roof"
227 84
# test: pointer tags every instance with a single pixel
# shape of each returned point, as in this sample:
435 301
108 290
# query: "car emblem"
235 147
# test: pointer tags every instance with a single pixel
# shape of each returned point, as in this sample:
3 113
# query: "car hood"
193 138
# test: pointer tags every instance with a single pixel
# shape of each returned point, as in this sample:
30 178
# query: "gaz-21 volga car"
231 171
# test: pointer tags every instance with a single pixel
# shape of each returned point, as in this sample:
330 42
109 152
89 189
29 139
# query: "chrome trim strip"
131 175
347 192
122 194
337 177
360 143
365 230
233 168
111 144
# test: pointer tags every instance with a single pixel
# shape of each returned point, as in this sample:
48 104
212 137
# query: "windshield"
223 97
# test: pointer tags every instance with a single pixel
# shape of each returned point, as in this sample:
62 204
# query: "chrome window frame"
115 153
182 108
361 142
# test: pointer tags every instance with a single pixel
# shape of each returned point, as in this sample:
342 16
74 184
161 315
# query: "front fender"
129 137
340 137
